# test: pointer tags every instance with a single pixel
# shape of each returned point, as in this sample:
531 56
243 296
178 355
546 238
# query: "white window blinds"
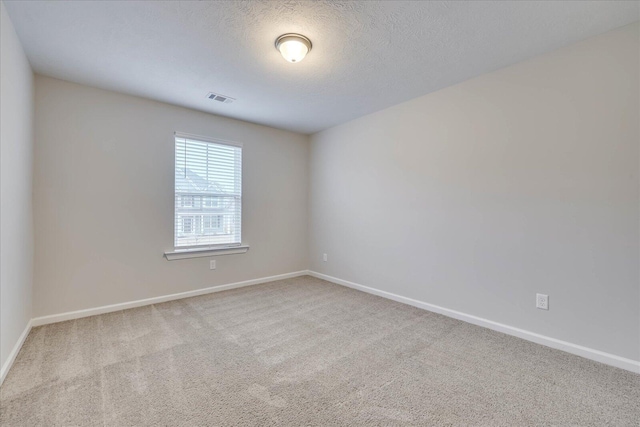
208 193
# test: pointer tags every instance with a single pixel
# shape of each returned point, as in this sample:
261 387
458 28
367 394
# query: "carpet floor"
302 352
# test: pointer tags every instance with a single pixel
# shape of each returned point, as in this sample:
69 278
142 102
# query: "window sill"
205 252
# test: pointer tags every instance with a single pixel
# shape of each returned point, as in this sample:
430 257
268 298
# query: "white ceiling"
366 55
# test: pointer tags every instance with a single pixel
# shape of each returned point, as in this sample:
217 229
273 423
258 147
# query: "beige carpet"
302 352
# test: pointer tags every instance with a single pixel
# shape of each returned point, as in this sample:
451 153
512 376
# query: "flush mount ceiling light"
293 47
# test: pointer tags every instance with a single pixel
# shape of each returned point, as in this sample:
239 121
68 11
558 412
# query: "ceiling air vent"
220 98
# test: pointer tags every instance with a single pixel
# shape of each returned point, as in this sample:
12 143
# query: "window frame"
179 251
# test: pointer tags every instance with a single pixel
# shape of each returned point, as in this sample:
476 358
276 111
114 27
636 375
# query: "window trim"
184 252
206 139
205 252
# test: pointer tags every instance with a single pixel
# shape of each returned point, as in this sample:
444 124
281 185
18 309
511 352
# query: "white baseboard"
54 318
14 353
589 353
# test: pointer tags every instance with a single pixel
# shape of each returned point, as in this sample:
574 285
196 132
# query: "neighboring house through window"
208 193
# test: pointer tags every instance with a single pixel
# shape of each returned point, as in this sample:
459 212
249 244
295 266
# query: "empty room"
320 213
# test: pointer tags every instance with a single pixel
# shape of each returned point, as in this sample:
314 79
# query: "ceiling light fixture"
293 47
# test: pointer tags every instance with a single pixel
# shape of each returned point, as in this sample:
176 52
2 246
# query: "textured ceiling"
366 55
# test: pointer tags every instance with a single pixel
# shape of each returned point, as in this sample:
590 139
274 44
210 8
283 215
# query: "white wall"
16 213
103 197
478 196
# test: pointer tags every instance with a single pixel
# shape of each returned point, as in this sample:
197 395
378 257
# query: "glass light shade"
293 47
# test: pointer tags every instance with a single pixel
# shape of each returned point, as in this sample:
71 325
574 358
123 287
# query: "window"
213 223
187 225
208 193
187 201
210 202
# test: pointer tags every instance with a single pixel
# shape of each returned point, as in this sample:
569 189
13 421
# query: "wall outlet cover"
542 301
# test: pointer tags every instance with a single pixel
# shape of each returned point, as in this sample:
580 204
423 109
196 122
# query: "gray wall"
478 196
103 196
16 213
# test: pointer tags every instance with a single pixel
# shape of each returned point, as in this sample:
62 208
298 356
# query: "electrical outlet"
212 264
542 301
324 257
